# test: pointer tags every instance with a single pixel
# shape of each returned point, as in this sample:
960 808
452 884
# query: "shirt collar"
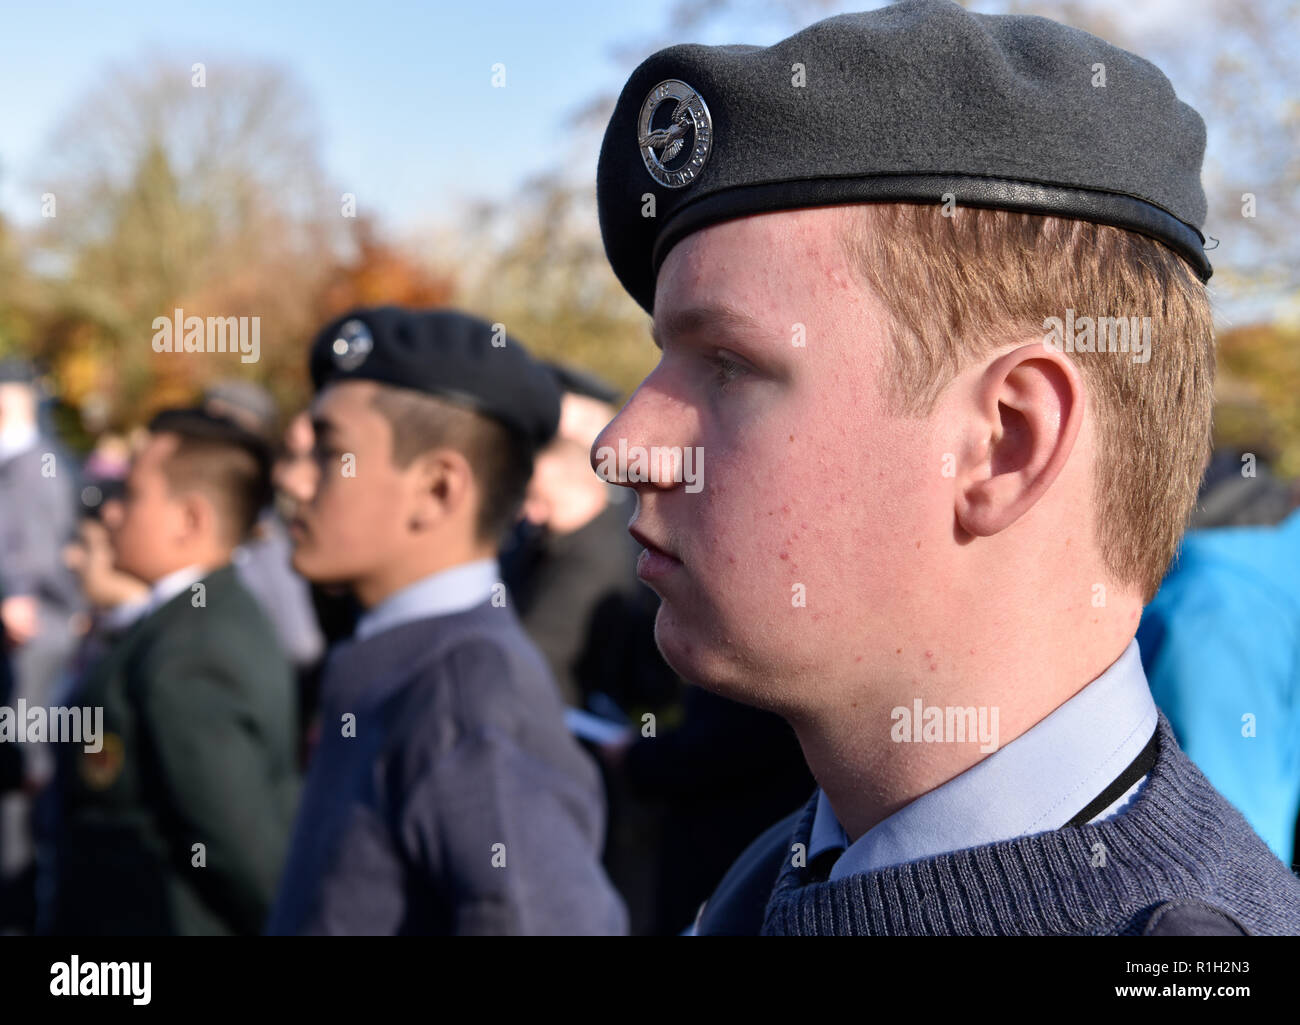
17 439
166 588
1036 783
440 594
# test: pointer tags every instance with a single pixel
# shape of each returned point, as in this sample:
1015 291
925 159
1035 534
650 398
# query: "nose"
299 479
634 447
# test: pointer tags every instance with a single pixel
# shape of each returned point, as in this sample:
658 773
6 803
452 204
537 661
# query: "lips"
655 565
650 546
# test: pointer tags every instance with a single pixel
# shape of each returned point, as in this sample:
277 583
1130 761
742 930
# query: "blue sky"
401 91
409 120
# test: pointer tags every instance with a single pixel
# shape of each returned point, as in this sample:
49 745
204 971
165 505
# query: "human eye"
726 369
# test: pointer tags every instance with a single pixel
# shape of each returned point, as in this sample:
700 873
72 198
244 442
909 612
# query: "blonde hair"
959 287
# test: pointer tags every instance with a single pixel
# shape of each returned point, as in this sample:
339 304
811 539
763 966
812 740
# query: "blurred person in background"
294 475
445 796
114 600
263 561
571 567
178 824
38 487
1221 648
1240 489
722 777
571 570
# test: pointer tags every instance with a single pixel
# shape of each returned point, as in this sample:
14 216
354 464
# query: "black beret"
901 104
199 423
573 380
446 354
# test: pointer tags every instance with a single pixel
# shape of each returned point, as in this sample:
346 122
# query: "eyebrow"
693 319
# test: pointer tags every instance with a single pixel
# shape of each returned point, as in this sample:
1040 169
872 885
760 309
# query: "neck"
205 563
401 573
853 742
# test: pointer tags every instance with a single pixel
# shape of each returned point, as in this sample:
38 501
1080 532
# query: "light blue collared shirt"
452 590
1036 783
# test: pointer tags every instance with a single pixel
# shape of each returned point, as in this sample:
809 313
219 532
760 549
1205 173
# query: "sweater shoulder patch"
1192 918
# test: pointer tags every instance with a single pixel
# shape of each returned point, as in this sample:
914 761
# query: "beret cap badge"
352 345
675 133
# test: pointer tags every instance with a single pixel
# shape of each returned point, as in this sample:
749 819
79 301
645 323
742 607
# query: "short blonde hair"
958 287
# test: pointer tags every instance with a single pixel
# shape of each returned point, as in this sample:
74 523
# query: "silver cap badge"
352 345
675 133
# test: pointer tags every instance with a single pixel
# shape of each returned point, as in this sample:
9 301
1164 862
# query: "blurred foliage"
542 272
1258 400
213 199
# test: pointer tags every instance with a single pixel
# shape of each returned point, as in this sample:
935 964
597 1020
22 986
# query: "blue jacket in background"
1221 647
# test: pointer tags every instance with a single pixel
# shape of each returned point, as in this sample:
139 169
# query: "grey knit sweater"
1178 841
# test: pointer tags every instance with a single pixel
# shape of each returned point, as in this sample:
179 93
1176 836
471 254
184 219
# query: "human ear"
1026 412
441 485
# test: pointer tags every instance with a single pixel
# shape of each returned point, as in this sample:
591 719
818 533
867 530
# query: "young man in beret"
936 502
176 822
445 795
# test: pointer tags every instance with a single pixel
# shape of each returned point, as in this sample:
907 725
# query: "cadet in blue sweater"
929 290
445 795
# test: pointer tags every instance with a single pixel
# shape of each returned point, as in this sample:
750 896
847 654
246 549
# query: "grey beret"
902 104
449 355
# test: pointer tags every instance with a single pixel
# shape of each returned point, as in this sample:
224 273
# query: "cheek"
818 519
364 511
144 519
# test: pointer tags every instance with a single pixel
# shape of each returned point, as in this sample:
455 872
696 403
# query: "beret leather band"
1110 208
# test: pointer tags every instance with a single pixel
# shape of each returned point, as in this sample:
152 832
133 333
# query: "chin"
693 656
321 572
305 565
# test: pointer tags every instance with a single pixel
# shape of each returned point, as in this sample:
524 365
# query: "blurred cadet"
262 561
573 566
446 795
179 822
294 476
570 568
930 523
111 601
38 488
723 776
114 599
1221 646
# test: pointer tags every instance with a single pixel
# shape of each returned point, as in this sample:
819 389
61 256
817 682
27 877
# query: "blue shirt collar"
1036 783
451 590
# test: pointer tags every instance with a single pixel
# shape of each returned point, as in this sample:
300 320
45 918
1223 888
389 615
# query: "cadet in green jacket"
180 821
